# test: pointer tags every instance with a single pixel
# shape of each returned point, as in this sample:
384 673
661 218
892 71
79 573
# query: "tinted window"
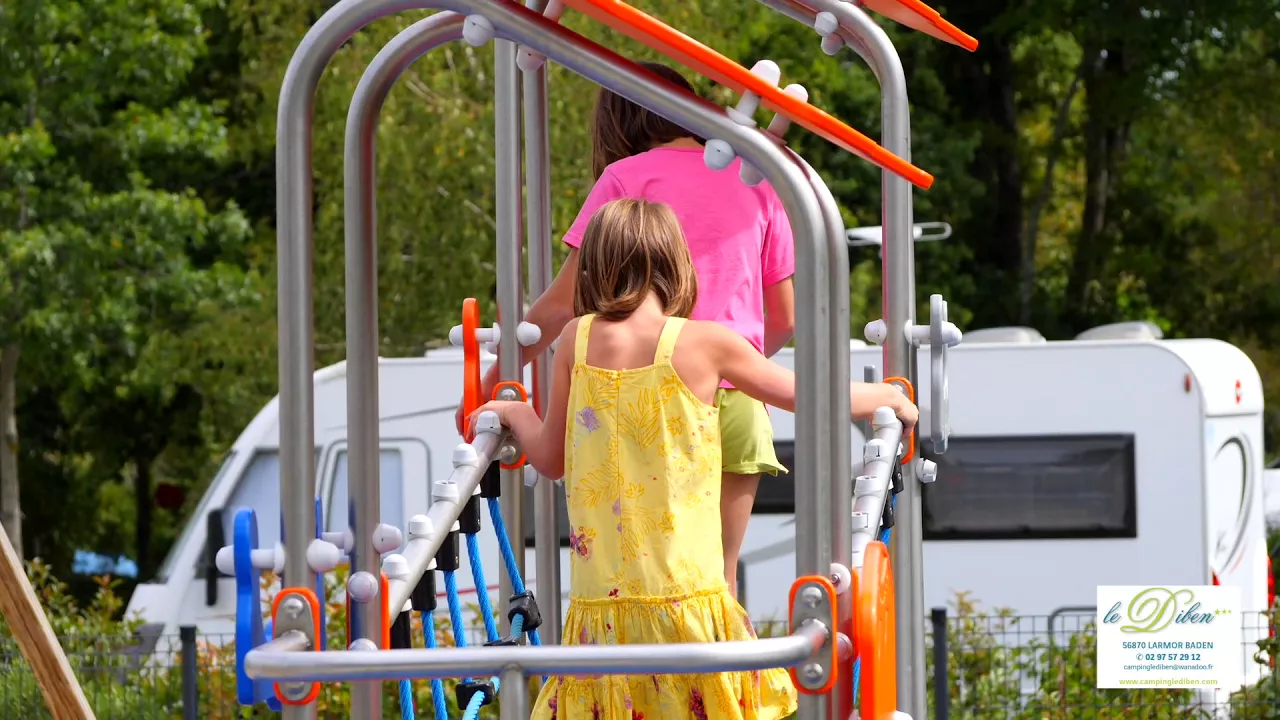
1032 487
390 486
777 495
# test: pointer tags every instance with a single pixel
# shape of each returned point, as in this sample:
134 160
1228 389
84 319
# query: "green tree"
107 256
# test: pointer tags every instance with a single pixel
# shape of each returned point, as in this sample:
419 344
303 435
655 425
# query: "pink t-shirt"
738 235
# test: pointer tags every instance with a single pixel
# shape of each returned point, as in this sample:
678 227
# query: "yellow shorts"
746 435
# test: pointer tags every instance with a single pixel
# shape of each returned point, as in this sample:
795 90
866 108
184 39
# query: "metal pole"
278 665
506 118
537 159
841 488
941 673
626 79
513 697
190 674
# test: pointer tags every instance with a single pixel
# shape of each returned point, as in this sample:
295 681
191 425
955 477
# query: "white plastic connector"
395 566
444 490
869 485
554 10
883 417
225 560
859 521
477 30
484 335
841 578
777 127
844 647
876 332
718 154
899 715
825 23
529 60
926 470
420 526
363 645
362 587
323 556
876 449
832 44
488 422
528 334
386 538
464 455
530 476
342 539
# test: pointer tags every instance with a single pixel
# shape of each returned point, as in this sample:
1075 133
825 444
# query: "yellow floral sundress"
642 476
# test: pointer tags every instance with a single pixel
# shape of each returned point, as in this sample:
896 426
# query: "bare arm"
772 384
550 312
779 316
542 439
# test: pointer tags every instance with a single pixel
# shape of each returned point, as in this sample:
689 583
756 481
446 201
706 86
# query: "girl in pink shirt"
743 254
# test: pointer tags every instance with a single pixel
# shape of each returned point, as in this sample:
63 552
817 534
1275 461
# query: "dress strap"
580 340
667 340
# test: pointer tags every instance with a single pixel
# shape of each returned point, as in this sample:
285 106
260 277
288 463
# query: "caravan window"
992 488
390 485
197 517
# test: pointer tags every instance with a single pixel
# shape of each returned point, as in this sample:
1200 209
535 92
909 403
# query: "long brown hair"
633 247
621 128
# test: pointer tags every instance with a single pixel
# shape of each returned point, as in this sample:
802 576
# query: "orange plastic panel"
309 597
524 397
876 640
832 662
918 16
701 59
910 440
470 361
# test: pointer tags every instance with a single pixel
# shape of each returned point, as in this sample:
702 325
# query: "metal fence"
997 667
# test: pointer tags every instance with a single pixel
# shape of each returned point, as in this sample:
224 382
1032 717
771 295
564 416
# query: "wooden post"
21 609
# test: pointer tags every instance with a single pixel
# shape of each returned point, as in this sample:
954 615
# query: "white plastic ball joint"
484 335
841 578
477 30
528 334
323 556
844 647
718 154
342 539
464 455
362 587
876 332
395 567
778 127
926 470
530 476
829 28
488 422
876 449
529 60
883 418
363 645
386 538
225 560
271 558
420 526
444 491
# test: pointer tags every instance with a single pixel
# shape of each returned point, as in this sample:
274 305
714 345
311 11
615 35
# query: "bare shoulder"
568 337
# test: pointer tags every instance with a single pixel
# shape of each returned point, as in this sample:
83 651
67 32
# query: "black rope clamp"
524 606
423 596
887 517
402 632
491 481
469 519
447 555
470 688
895 479
504 642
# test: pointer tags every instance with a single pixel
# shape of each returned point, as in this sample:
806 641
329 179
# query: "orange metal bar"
701 59
918 16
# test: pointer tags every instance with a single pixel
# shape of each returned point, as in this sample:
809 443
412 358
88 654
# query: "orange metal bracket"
918 16
910 391
701 59
308 596
876 639
524 397
833 661
470 361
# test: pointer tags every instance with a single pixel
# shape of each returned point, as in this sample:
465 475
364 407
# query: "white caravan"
1071 465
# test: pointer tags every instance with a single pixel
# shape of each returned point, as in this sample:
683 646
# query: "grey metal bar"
421 549
941 666
604 67
360 192
1067 610
869 41
289 642
673 659
537 160
513 696
873 487
506 116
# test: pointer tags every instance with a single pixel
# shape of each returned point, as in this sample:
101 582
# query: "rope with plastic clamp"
509 559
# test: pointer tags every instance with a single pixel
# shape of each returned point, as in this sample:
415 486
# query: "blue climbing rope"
437 685
455 612
406 700
885 535
482 588
509 556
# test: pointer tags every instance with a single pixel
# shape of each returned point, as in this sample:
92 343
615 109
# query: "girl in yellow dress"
632 427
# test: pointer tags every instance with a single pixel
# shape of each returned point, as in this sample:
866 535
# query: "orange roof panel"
701 59
918 16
